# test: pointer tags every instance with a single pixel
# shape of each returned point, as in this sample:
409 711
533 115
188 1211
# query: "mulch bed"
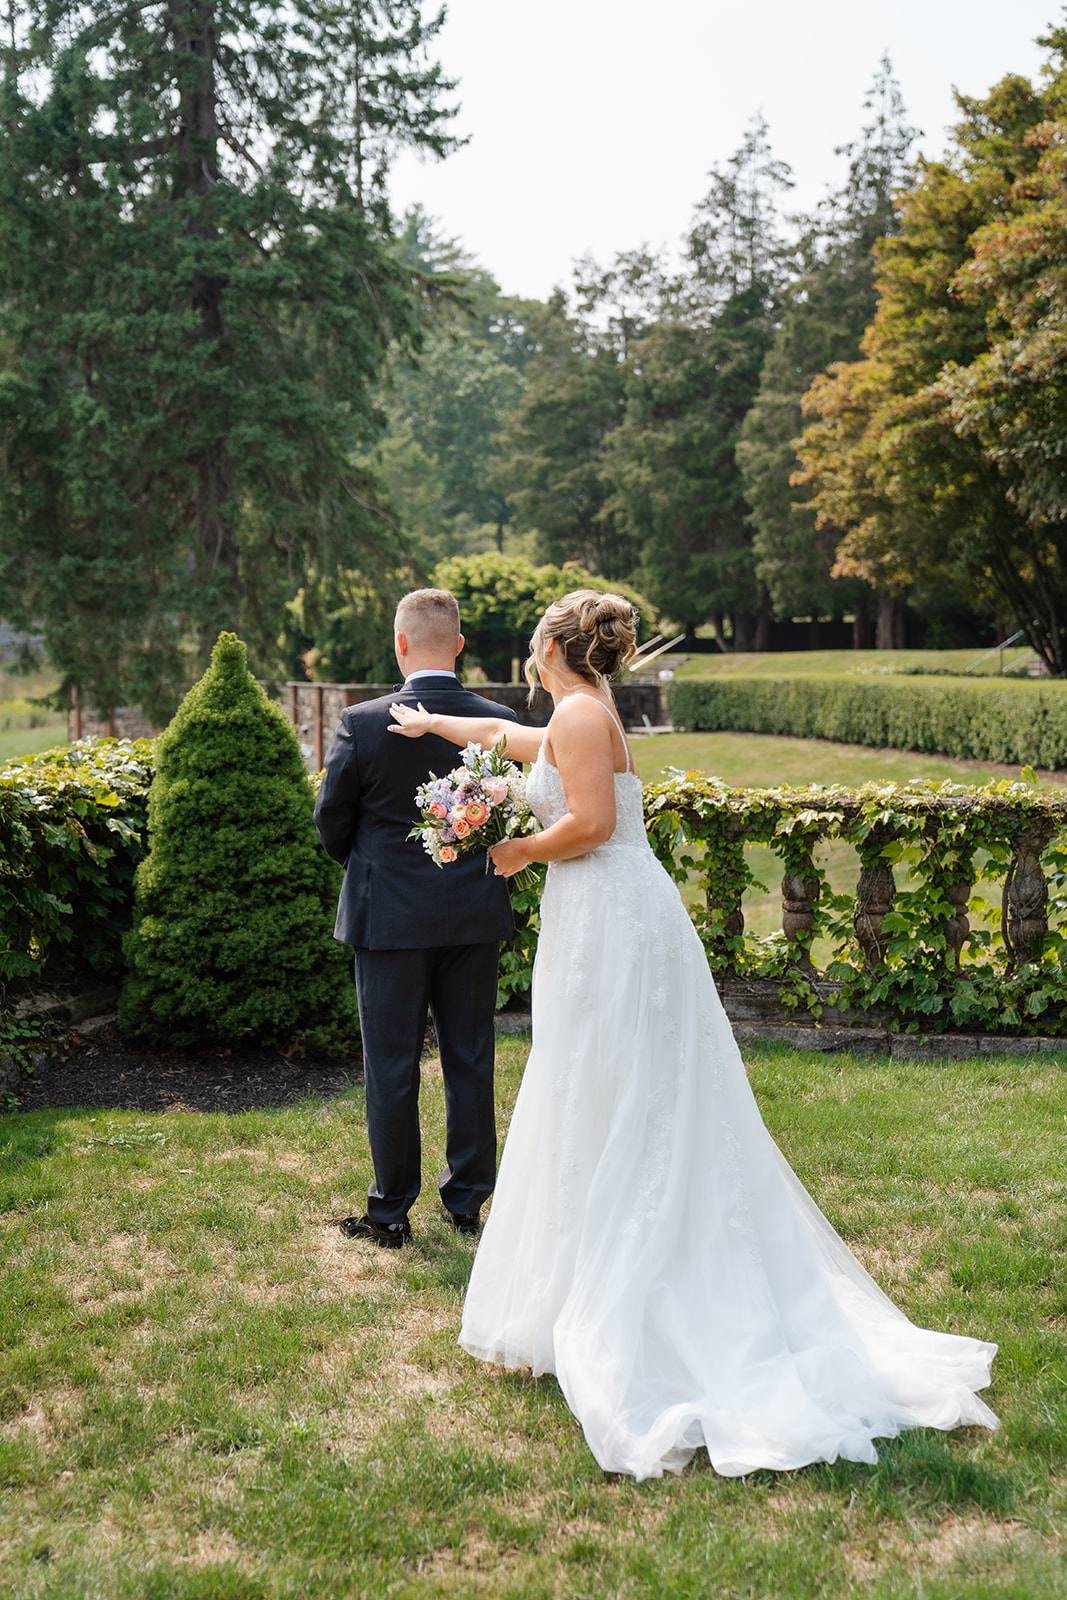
97 1069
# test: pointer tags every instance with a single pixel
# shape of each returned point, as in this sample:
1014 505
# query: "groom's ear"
459 646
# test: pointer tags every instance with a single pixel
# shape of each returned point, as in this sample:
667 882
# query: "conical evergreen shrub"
231 938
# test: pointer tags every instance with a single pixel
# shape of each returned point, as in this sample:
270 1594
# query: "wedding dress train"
647 1241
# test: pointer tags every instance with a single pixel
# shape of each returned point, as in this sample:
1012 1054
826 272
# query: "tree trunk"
861 624
744 631
716 623
197 175
883 635
763 620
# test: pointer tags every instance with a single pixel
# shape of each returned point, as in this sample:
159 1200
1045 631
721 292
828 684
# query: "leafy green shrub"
515 973
501 599
72 825
979 719
235 899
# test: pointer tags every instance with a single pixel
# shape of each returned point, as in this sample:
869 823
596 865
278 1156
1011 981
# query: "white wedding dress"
647 1242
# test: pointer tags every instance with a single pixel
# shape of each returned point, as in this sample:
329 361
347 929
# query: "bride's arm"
523 744
583 754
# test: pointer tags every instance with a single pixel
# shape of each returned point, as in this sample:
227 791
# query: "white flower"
432 845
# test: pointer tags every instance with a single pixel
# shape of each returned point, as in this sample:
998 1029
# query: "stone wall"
128 722
314 709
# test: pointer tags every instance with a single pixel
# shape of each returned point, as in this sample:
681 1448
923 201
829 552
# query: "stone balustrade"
920 852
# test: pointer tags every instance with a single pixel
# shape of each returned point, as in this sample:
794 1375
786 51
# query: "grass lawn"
26 728
829 663
768 760
209 1394
45 733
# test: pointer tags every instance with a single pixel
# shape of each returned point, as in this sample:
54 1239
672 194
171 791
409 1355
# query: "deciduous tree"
502 597
914 452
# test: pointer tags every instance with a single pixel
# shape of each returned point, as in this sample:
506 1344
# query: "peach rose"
438 810
447 853
460 826
477 812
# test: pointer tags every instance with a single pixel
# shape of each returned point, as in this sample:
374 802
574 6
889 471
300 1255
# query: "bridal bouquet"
477 804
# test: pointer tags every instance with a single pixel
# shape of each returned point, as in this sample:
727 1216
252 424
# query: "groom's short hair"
430 618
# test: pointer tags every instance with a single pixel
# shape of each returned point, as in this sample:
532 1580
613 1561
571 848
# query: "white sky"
593 123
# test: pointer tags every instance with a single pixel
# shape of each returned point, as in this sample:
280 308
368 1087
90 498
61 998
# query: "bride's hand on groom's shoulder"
412 724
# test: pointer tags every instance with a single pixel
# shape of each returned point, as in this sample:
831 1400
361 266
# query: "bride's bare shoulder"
580 721
577 709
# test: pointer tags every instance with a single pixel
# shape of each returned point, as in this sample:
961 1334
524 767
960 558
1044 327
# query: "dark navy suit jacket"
393 896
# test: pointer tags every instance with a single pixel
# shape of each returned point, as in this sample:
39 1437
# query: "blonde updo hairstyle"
595 634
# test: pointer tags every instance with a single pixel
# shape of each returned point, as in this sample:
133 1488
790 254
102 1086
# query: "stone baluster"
800 896
1024 908
957 926
734 920
875 894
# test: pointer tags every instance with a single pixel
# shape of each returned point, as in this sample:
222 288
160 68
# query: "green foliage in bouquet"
231 937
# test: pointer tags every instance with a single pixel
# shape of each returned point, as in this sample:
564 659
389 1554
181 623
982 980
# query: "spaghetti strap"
580 694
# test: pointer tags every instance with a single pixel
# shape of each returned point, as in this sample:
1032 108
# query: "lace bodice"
544 792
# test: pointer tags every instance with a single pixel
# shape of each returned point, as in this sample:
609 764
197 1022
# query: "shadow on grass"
922 1471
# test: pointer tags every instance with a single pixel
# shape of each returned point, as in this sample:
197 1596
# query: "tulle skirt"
647 1241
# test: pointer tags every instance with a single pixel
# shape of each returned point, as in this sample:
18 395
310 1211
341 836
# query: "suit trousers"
396 988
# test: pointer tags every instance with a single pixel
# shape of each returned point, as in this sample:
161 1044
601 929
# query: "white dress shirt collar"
429 672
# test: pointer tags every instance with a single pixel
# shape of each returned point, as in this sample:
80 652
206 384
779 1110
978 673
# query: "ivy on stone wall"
901 944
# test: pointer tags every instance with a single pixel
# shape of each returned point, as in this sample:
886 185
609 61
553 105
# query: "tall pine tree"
197 287
691 379
914 450
825 311
549 451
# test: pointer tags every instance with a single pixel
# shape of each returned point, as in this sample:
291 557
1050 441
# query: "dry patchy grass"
206 1391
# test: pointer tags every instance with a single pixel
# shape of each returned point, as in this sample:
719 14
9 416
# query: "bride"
647 1242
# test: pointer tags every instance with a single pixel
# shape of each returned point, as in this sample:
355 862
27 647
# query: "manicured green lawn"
766 760
209 1394
16 740
829 663
25 727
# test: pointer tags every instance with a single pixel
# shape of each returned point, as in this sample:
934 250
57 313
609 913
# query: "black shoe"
464 1221
386 1235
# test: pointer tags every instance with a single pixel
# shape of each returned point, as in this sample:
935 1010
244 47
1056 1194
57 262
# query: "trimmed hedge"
979 719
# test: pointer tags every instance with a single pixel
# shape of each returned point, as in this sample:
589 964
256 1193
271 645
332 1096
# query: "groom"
426 937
